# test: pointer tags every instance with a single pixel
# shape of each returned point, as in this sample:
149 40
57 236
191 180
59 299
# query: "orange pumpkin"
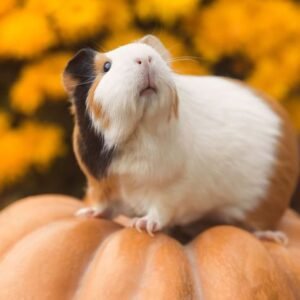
46 253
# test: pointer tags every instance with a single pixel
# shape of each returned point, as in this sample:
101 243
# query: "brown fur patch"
96 108
69 83
284 174
87 145
77 152
174 106
105 189
72 110
100 60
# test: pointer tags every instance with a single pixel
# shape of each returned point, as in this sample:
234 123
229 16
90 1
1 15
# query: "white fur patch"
231 136
119 91
217 156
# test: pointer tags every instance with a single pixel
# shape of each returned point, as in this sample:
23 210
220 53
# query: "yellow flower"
25 94
45 142
4 122
73 19
118 15
266 77
174 45
6 5
76 18
222 28
120 38
189 66
51 68
278 74
32 144
14 159
267 32
168 11
24 33
254 27
276 25
182 61
38 81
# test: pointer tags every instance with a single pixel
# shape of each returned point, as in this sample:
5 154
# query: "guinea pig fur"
167 149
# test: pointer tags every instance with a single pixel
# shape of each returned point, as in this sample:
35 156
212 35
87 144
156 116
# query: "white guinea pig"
167 149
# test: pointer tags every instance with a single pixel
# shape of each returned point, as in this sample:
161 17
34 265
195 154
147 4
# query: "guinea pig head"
123 89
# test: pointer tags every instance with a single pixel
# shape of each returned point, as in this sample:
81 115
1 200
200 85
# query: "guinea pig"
166 149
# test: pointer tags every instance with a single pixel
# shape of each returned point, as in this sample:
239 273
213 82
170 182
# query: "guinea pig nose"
149 59
139 61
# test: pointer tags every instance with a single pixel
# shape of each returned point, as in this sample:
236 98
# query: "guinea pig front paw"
278 237
91 212
146 223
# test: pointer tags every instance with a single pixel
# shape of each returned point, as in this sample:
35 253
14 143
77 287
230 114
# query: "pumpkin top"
46 253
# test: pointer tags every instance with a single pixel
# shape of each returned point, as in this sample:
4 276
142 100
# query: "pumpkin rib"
228 259
287 258
148 254
285 268
47 245
28 234
198 291
81 280
45 208
172 280
113 251
53 255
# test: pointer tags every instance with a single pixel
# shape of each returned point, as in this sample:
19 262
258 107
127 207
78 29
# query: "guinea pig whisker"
82 76
83 83
180 58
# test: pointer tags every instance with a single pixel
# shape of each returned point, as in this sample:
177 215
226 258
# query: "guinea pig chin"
148 86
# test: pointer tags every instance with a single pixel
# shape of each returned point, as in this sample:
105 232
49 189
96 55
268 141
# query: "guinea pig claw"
152 227
144 223
278 237
89 212
134 224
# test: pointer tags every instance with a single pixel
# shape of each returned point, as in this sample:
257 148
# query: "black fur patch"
92 150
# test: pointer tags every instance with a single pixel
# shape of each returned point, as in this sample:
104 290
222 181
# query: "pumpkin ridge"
85 259
28 234
167 260
287 277
198 293
118 236
265 247
80 236
149 254
84 273
63 199
48 208
224 249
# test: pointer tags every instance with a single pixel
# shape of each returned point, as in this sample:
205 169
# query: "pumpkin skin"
47 253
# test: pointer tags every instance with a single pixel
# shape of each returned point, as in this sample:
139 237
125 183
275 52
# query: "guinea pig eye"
107 66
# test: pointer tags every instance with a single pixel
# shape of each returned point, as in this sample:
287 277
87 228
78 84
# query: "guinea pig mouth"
149 90
149 85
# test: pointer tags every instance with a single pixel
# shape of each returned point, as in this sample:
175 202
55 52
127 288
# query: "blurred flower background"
252 40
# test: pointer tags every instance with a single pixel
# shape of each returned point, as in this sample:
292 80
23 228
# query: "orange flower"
32 144
165 10
24 34
37 81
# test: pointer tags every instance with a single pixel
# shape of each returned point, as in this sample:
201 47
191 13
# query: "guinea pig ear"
156 44
79 69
